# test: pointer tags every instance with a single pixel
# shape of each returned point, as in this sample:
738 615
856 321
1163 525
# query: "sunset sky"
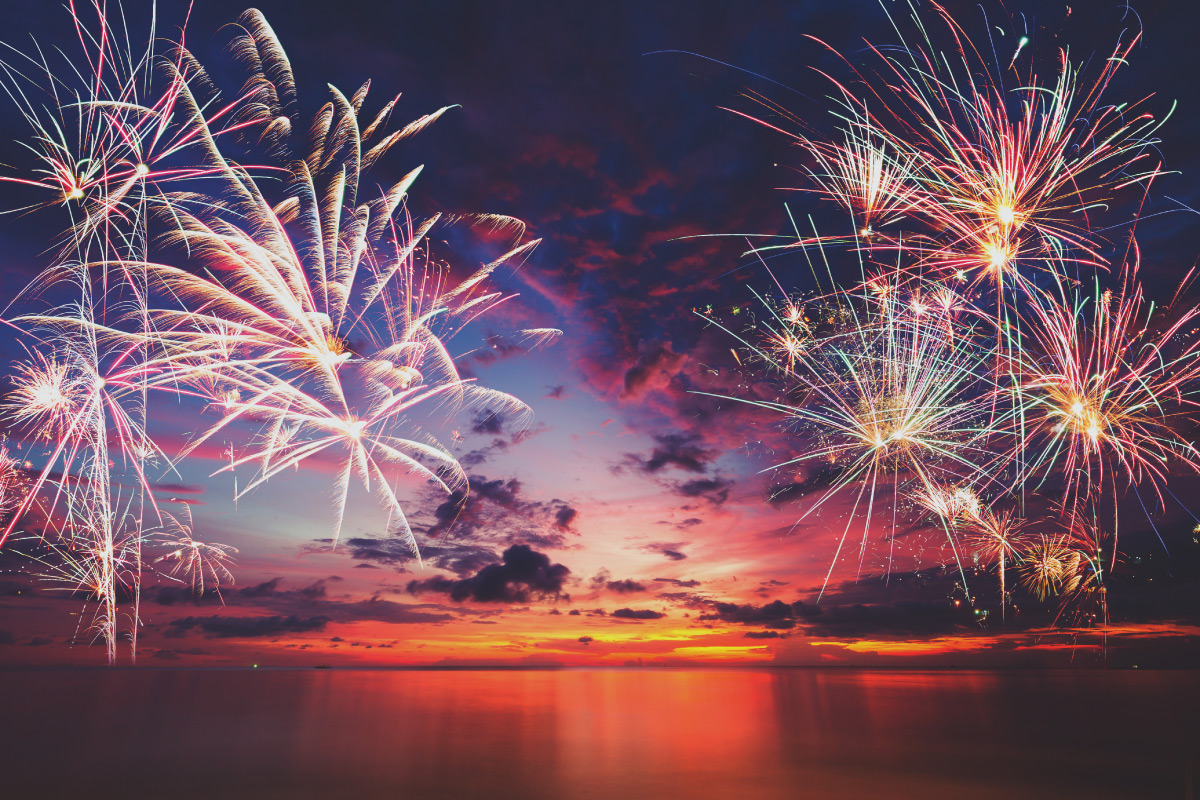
637 520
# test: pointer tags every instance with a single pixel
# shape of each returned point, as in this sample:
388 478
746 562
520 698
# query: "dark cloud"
496 511
891 620
714 490
564 517
471 528
672 550
639 613
555 393
498 446
456 557
496 349
626 586
913 605
586 640
315 591
764 635
265 589
246 627
523 574
690 600
777 614
487 422
684 451
654 359
682 584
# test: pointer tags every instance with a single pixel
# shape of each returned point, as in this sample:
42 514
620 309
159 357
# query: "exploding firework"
318 320
958 354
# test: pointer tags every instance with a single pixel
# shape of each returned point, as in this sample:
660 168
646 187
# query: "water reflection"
598 734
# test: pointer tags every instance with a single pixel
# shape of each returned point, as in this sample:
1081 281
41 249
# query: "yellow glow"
142 170
1005 214
997 255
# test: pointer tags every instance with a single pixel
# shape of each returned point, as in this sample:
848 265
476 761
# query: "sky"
636 520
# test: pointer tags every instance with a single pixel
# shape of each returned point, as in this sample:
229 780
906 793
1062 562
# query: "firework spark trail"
882 391
1102 386
958 355
322 318
191 558
335 339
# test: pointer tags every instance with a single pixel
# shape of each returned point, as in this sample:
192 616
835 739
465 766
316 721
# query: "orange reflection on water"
583 734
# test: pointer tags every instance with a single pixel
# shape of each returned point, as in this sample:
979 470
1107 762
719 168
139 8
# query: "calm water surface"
598 734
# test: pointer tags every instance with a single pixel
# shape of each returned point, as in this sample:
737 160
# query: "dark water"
598 734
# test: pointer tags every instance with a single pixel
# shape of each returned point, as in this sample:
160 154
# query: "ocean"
613 734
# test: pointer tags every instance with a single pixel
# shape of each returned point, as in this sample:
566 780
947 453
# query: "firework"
336 339
996 536
321 324
191 560
1102 392
957 353
884 388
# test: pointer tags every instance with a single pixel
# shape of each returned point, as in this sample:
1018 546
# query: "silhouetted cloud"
639 614
524 573
683 584
672 550
684 451
224 627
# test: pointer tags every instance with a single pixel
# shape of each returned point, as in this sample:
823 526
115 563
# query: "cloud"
714 490
497 511
843 614
564 517
683 584
891 620
461 558
523 574
656 361
265 589
777 614
626 586
246 627
672 550
638 614
684 451
487 422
